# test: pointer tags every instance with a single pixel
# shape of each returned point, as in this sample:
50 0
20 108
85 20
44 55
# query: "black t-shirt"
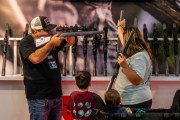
42 81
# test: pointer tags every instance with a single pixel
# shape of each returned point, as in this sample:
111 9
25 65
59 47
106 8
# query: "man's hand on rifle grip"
56 40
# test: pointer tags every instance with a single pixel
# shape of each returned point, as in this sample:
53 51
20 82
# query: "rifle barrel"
81 33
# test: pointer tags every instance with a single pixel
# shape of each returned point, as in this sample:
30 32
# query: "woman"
135 69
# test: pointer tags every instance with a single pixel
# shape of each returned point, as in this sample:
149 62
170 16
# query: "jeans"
45 109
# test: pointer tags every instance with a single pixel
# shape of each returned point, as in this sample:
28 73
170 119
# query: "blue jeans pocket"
38 105
38 110
48 109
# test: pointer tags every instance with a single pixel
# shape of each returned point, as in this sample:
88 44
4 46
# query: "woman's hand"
122 61
121 24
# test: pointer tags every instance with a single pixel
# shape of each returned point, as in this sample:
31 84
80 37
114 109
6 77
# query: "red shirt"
81 105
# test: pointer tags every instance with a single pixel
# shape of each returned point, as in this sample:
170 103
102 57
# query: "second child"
113 100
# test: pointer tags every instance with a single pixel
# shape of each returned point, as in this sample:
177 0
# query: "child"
82 102
113 100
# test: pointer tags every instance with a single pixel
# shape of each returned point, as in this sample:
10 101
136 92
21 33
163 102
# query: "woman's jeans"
45 109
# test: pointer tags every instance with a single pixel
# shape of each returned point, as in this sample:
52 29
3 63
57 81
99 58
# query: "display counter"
13 100
18 77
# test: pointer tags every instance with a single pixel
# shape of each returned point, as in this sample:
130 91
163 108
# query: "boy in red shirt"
82 102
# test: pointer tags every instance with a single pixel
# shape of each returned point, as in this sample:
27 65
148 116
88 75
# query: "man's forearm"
40 54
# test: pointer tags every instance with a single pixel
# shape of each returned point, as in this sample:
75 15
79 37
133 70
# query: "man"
41 70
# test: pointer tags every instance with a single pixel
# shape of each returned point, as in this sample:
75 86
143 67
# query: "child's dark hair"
112 97
82 79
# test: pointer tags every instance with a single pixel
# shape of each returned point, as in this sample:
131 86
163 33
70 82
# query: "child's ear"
89 83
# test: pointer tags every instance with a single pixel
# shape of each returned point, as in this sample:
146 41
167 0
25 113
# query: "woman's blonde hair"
137 43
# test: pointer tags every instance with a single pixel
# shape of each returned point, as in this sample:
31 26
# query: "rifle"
95 43
5 46
74 28
10 32
121 17
85 43
70 31
105 47
176 58
24 35
166 49
145 32
65 50
117 66
43 40
64 64
155 50
74 47
118 52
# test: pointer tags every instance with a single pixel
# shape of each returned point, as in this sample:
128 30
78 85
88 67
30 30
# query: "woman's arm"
132 76
120 28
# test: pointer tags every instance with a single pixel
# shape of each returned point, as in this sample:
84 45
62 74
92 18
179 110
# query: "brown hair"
112 97
137 43
82 79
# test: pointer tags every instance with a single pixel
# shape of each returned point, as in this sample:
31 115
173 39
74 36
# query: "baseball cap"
41 23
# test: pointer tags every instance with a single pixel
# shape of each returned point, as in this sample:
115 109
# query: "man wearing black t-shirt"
42 78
